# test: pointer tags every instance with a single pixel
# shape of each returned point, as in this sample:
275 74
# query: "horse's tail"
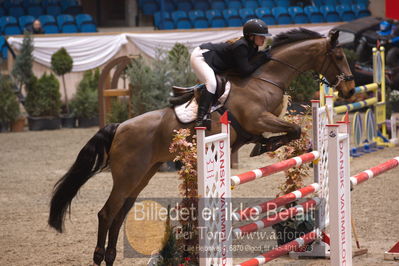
90 160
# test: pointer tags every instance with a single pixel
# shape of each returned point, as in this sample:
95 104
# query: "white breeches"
202 70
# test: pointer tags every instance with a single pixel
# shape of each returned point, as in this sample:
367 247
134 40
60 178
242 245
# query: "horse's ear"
334 34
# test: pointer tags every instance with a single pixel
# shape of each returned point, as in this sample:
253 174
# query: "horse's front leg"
268 122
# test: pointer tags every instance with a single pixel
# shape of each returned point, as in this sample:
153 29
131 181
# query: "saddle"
184 99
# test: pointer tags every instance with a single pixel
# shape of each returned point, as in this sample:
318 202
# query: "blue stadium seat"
318 3
266 15
2 12
218 4
69 27
25 21
150 7
361 10
232 17
5 20
16 11
181 20
47 19
168 5
62 19
167 21
201 5
12 29
67 3
215 18
28 3
73 10
267 3
54 10
35 11
251 4
283 3
330 2
298 15
50 3
198 19
346 12
364 2
246 14
51 28
330 14
234 4
80 18
8 3
3 47
281 15
87 26
184 5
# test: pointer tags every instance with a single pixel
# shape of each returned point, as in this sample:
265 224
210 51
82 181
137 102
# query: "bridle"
339 78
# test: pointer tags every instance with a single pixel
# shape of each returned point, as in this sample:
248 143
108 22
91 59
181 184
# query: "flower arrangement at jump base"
181 251
294 177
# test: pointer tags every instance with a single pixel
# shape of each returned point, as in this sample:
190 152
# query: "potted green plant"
22 70
9 105
84 105
43 103
394 100
62 63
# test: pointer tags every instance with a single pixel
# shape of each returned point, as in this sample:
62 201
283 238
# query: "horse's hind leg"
110 252
106 216
114 230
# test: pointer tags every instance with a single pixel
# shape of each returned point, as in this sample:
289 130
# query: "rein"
341 77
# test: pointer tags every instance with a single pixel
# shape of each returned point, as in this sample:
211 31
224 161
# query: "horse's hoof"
258 149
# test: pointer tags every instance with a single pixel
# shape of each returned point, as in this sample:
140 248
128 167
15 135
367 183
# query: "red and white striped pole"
275 203
374 171
284 249
274 168
277 218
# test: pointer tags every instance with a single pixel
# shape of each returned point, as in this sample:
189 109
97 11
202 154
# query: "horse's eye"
340 57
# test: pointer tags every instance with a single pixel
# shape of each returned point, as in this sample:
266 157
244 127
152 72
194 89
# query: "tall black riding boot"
203 108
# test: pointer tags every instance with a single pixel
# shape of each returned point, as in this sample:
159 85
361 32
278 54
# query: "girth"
243 136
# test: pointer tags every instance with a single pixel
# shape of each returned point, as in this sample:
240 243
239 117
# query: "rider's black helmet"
255 27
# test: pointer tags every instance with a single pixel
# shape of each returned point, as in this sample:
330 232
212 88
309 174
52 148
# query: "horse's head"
334 66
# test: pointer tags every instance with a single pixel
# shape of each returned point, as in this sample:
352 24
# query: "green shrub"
303 88
119 112
61 62
22 69
152 82
85 102
9 105
43 96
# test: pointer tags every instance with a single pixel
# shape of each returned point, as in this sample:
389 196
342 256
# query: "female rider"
241 56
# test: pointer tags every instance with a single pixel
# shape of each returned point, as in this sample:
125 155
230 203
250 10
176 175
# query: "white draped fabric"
89 52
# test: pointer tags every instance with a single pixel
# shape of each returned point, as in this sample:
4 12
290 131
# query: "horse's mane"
294 35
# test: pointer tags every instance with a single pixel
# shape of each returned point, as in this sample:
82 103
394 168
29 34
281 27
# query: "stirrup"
206 122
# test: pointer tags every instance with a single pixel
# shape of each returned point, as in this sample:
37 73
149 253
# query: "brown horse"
136 148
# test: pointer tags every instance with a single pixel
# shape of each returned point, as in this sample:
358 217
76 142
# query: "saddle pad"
187 112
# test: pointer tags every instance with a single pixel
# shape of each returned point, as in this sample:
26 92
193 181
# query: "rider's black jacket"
241 57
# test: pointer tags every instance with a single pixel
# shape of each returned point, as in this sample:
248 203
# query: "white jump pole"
214 191
339 195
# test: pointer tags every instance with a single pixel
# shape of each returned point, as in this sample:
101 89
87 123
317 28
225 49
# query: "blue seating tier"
233 13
